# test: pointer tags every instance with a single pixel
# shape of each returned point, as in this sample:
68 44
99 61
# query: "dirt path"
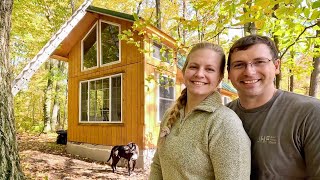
42 158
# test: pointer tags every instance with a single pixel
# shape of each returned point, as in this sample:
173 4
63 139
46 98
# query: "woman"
199 137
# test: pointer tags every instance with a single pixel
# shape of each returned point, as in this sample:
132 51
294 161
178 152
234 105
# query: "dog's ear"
130 144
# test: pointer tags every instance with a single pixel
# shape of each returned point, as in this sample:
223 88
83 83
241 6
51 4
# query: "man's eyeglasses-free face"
256 63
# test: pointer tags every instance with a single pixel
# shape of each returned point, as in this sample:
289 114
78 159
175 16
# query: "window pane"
99 114
90 49
92 101
166 55
84 116
166 94
164 105
99 84
109 43
156 51
84 101
116 98
166 88
171 92
181 60
106 100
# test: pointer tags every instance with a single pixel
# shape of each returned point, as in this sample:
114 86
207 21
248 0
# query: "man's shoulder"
233 104
299 98
297 103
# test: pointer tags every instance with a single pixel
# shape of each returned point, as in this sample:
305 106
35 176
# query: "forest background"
293 24
41 105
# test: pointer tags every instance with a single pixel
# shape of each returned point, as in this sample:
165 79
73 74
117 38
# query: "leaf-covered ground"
42 158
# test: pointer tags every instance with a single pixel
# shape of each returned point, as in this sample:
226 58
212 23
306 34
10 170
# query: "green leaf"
259 24
315 15
306 12
135 16
263 3
281 12
316 5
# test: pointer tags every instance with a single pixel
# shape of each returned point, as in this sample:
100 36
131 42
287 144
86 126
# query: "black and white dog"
129 152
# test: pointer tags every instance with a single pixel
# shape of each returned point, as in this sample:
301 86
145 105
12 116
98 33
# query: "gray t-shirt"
285 136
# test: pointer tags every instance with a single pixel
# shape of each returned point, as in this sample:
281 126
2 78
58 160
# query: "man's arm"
311 143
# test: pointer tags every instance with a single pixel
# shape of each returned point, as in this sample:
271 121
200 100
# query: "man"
284 127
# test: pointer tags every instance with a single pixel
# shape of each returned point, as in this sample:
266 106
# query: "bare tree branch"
296 39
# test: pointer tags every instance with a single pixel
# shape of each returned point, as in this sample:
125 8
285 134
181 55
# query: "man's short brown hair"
245 42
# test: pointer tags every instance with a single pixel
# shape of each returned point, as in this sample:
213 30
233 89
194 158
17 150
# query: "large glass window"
96 104
109 43
166 94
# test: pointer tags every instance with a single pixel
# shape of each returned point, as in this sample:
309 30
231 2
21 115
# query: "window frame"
159 120
82 55
110 102
100 40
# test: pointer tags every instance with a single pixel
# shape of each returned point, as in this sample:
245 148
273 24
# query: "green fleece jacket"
208 143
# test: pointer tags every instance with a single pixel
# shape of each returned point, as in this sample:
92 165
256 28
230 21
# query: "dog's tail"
111 153
110 156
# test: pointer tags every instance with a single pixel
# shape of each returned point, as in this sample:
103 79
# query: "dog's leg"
115 161
133 164
129 167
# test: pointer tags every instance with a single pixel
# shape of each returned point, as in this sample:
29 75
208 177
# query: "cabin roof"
110 13
228 87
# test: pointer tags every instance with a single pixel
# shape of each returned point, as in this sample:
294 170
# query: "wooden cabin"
116 92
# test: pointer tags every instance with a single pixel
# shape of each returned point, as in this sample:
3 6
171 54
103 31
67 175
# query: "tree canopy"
292 24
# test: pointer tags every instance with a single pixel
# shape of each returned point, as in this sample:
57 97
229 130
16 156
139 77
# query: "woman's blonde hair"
182 100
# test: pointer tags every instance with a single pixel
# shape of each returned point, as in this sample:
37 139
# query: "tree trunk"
291 83
314 77
313 90
55 124
249 27
9 157
276 41
184 10
47 100
200 32
139 7
158 14
278 76
181 28
65 122
55 118
72 4
291 76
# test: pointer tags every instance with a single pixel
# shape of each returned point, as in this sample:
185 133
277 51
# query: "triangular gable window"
89 49
103 35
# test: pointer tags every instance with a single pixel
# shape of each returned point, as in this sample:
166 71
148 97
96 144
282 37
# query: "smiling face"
202 74
254 81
